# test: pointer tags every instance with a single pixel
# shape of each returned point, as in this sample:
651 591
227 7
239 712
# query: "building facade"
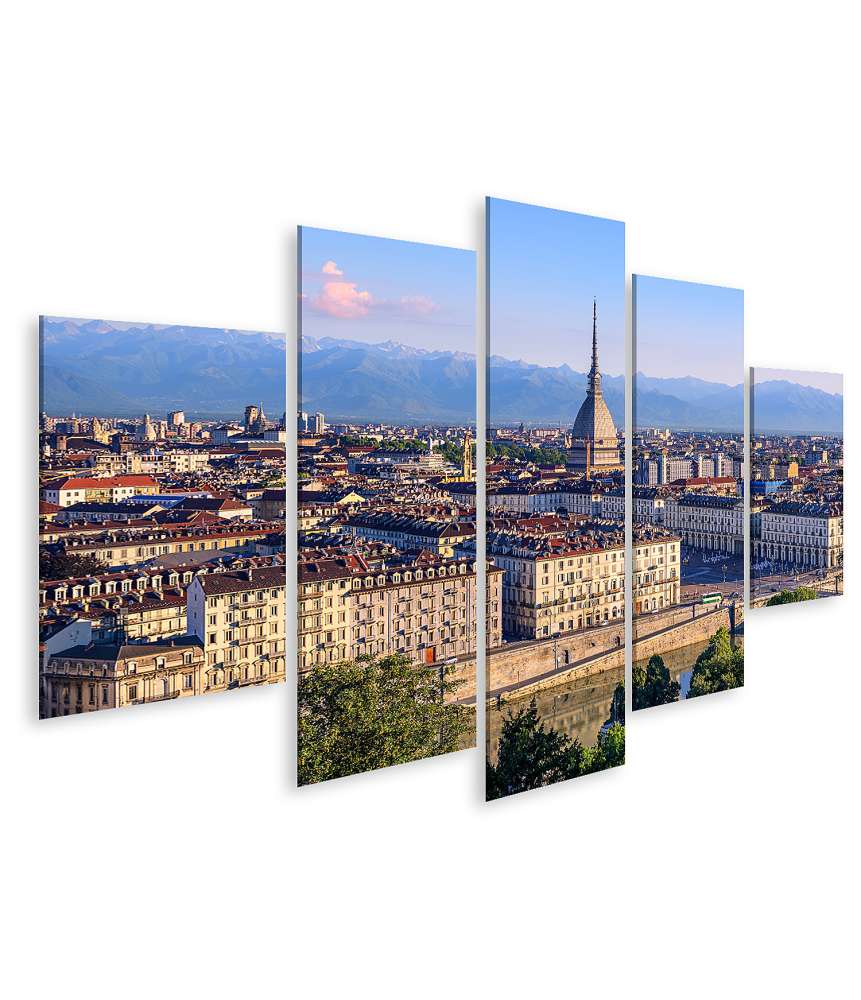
239 620
425 609
807 535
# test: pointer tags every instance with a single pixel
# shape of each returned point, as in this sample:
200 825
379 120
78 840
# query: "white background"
157 159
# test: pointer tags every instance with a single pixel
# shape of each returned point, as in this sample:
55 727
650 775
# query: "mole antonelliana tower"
595 444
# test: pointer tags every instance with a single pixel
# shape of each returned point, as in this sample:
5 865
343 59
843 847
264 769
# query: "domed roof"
593 418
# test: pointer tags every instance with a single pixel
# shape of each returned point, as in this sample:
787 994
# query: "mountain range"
100 369
95 368
350 380
779 405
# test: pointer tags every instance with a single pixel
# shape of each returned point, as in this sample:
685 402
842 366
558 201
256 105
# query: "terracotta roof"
106 482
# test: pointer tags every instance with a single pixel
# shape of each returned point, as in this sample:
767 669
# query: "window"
133 692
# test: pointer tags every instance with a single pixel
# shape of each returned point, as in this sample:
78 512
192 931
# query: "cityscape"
687 491
161 533
387 569
555 496
796 493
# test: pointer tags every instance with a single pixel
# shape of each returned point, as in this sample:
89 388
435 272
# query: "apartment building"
808 535
706 521
96 676
410 533
657 568
423 608
560 584
239 619
108 489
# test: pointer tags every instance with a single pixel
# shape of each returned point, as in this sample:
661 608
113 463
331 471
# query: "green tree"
653 684
719 667
60 566
792 596
608 751
617 705
531 755
374 712
524 453
453 452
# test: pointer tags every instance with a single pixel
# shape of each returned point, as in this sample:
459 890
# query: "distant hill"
780 405
350 380
95 368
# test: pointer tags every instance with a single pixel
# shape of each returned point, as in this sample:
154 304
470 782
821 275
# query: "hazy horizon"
826 381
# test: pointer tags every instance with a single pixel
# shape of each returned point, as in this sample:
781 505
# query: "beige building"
425 609
98 676
559 584
126 548
270 505
808 535
109 489
708 522
657 569
239 618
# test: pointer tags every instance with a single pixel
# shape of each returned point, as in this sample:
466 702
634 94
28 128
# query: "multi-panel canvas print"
688 506
796 486
555 496
161 513
387 570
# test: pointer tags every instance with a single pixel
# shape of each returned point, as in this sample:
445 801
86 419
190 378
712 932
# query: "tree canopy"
60 566
372 712
653 684
532 755
719 667
792 596
524 453
453 452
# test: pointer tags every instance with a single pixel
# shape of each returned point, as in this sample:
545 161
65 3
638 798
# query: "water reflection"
680 662
578 707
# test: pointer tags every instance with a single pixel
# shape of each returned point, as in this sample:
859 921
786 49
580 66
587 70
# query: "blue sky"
544 267
827 381
372 289
683 328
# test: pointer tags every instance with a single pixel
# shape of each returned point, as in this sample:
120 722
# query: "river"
578 707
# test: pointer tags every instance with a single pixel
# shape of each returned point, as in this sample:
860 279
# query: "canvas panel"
387 566
688 506
161 513
796 488
555 495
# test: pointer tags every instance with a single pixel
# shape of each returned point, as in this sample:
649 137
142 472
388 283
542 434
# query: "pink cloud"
330 267
343 300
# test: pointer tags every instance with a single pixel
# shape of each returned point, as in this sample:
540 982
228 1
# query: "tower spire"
594 373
